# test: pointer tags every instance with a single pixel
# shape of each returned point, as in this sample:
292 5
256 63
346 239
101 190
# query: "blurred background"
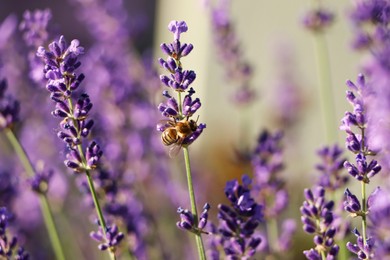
282 56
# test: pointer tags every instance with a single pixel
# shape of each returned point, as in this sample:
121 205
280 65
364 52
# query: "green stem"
323 256
44 203
325 88
91 186
198 237
364 208
180 105
272 233
98 210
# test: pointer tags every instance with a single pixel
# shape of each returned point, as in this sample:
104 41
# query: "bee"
176 132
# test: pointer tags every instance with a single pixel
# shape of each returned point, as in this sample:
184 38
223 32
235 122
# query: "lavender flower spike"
317 218
61 64
355 124
179 130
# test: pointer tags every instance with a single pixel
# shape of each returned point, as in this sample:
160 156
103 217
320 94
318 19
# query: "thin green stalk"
325 88
44 203
272 234
198 237
98 209
364 209
323 256
91 186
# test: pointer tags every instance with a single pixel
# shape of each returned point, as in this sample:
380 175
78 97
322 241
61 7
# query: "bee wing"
165 123
174 150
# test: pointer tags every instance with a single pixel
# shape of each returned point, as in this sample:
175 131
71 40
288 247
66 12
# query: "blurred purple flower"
111 240
331 167
379 207
9 244
269 187
317 20
9 107
238 71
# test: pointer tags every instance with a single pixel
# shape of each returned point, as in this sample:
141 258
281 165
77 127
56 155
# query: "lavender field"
199 129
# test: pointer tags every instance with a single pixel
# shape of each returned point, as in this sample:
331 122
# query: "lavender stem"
272 234
325 87
364 209
45 207
92 187
198 237
98 209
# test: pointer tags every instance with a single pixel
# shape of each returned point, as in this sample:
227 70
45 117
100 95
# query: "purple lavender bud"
93 154
352 143
186 49
351 202
40 182
177 28
312 254
166 49
318 20
203 216
111 240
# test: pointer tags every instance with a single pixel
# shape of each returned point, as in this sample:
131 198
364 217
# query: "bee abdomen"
169 137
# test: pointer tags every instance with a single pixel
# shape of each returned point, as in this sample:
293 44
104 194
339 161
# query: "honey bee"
176 132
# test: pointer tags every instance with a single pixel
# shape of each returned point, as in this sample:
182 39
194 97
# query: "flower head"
237 222
179 129
317 218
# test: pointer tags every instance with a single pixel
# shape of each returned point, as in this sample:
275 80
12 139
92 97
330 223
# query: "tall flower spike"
61 64
179 130
363 169
317 218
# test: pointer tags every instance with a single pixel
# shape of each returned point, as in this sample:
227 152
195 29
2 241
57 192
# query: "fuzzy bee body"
175 134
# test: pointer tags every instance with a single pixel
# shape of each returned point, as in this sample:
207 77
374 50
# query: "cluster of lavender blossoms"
317 218
61 63
179 81
236 232
362 170
269 190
